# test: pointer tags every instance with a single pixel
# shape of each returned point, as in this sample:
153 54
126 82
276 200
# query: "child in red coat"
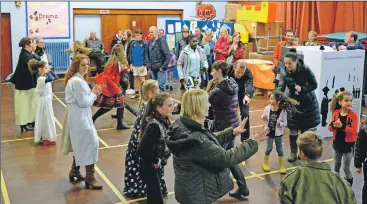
344 126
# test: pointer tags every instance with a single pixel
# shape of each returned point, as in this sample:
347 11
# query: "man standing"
137 61
290 40
243 77
158 57
97 53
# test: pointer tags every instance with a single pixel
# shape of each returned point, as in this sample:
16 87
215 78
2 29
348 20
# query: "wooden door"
5 46
142 22
110 24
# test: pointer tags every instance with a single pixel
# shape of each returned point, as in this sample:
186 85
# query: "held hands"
359 170
240 129
298 88
246 100
97 89
338 124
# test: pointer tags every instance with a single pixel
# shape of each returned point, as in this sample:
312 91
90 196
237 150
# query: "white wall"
93 22
5 7
161 20
18 18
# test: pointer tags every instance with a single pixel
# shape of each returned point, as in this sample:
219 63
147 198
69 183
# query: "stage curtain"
323 17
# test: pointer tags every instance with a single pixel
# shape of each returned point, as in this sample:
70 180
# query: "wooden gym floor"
35 174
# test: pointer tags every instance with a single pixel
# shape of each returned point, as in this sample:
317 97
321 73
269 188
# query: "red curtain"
322 17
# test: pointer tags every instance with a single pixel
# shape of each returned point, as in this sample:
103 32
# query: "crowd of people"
216 82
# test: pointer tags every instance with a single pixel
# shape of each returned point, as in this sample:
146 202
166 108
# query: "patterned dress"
134 186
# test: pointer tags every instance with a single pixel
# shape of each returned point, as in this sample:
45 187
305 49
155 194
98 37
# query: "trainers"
130 91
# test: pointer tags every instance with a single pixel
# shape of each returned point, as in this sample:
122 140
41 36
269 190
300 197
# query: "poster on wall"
49 20
340 71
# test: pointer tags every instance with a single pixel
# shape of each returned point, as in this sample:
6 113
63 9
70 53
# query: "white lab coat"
79 130
44 128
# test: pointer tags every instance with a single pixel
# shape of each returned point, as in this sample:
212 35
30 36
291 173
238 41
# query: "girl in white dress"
45 129
79 134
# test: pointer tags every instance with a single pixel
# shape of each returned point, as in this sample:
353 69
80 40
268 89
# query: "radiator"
60 59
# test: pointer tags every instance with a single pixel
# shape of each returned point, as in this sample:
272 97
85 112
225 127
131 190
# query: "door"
5 46
110 24
142 22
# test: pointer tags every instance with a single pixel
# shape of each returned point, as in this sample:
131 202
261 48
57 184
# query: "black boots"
120 117
241 191
25 128
75 173
293 145
99 113
241 183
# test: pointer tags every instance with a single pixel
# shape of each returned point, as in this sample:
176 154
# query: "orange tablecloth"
262 72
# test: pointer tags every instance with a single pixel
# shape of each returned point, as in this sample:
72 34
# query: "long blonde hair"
146 86
117 55
80 49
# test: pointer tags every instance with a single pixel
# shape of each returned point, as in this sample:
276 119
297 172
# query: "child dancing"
275 117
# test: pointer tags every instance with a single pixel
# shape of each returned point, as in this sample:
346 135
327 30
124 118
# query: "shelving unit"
268 37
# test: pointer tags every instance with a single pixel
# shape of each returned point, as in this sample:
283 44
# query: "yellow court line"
4 190
105 129
114 146
109 183
103 176
253 173
59 124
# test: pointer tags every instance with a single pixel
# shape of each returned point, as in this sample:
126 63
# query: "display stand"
335 71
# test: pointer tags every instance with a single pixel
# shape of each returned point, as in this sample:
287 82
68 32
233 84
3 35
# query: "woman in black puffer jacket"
301 83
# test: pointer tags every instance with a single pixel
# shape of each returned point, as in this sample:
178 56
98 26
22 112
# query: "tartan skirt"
117 101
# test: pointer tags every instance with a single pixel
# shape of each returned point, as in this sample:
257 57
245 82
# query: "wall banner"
49 20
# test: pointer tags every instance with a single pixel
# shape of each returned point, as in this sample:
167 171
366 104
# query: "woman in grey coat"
200 163
191 63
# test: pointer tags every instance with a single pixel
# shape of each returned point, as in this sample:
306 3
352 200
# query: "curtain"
322 17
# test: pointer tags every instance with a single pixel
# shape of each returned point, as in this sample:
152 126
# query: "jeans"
131 80
169 77
278 144
236 170
346 158
161 78
245 112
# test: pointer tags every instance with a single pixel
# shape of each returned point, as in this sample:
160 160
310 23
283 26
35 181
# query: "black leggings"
150 177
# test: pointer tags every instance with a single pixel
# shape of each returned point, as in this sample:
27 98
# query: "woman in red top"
344 126
112 96
236 48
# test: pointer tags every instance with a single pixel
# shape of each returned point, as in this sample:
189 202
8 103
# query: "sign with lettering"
48 19
104 11
205 12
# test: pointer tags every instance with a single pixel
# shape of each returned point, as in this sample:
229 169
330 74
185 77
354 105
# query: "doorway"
5 46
